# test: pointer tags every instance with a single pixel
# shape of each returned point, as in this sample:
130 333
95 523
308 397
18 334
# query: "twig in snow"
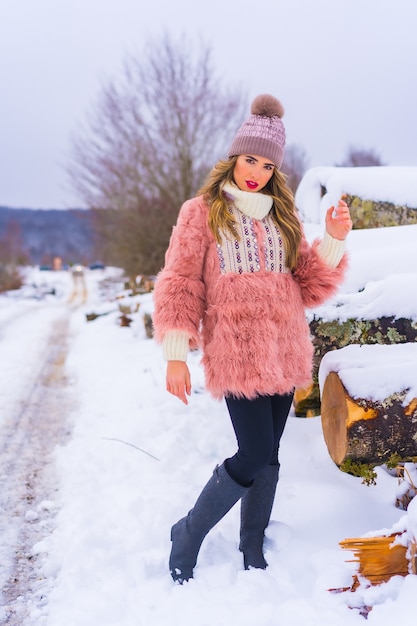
132 445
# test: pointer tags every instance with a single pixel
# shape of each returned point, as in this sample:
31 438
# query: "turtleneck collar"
256 205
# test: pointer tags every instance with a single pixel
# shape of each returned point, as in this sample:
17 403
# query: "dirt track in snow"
28 485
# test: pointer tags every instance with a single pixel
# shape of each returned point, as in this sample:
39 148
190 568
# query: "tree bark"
365 431
332 335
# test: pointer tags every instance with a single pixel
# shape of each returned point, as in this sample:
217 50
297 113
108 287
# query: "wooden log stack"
334 335
369 403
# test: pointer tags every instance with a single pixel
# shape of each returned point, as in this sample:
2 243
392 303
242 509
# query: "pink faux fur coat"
252 326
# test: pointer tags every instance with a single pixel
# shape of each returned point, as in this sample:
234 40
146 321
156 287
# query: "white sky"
345 72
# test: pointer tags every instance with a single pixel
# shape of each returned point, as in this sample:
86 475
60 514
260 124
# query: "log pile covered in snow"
369 403
377 303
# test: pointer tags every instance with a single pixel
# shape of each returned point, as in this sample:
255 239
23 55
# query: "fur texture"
251 326
267 105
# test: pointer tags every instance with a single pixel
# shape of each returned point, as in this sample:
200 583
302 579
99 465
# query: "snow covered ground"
137 458
136 461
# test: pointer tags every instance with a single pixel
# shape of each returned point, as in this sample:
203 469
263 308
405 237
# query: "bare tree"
11 245
360 157
12 255
148 145
294 165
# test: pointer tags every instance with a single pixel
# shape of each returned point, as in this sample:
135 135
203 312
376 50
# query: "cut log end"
306 401
334 414
366 432
380 558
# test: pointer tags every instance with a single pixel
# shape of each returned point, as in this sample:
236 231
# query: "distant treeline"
40 235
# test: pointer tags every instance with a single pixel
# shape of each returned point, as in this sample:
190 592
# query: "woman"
238 276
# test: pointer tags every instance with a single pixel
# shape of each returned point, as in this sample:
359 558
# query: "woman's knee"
244 466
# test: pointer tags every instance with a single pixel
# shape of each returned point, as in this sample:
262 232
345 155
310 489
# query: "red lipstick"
251 184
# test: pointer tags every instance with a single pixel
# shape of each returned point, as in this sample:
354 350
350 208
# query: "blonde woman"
238 276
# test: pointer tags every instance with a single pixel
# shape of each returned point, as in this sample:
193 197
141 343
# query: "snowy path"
34 406
27 484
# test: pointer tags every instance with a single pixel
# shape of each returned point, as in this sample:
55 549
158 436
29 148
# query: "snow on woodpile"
377 301
382 273
323 186
374 371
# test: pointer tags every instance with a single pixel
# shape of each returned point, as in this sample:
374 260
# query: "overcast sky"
345 71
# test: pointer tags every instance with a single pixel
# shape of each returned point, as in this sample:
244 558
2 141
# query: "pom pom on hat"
263 133
267 105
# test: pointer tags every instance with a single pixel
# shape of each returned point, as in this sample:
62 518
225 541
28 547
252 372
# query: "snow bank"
386 184
374 371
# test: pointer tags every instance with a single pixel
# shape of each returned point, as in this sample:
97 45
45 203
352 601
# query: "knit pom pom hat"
263 133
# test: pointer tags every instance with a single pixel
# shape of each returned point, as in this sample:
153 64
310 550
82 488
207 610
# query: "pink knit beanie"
263 133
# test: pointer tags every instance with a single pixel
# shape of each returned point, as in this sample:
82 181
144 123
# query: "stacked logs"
358 422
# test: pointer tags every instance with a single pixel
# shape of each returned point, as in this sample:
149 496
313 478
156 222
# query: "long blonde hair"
283 210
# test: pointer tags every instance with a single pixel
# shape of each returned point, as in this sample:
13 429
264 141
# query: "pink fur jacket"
240 304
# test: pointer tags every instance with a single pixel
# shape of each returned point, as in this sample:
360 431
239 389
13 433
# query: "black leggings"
258 425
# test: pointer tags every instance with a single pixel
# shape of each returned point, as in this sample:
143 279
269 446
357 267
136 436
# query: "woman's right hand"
178 380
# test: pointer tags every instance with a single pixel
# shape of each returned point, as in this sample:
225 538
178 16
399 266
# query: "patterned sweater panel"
259 246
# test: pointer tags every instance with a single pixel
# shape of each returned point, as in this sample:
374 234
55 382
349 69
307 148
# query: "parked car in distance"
97 266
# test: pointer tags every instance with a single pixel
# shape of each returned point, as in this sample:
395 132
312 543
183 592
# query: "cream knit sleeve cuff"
175 345
331 249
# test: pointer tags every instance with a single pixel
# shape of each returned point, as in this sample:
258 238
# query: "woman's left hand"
338 221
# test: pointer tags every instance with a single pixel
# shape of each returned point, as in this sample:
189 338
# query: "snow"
137 459
383 261
357 364
384 184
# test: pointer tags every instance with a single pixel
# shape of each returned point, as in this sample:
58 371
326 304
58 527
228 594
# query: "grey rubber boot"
217 498
255 513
